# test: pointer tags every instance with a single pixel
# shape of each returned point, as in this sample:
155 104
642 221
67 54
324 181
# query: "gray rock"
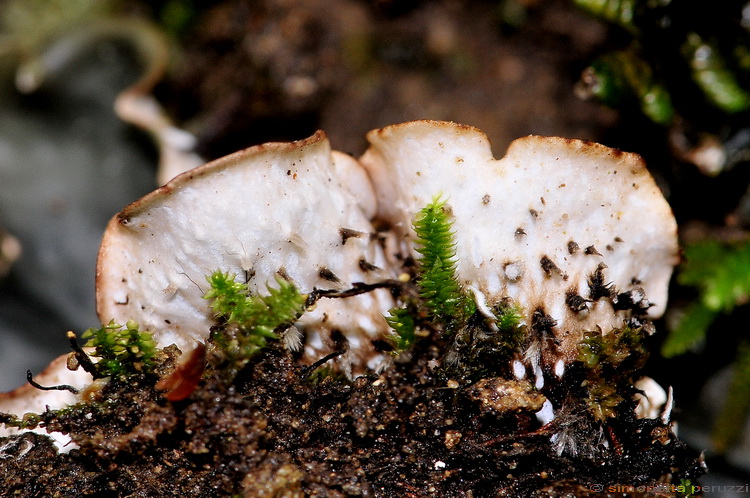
67 164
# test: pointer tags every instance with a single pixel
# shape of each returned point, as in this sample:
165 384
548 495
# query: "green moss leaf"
403 324
254 319
444 298
690 330
122 349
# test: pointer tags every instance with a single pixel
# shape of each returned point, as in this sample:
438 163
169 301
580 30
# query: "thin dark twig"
356 289
83 359
544 430
61 387
309 369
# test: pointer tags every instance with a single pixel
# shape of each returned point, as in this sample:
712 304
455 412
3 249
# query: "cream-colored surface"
545 194
523 224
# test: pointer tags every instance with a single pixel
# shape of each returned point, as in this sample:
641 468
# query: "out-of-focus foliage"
737 406
29 24
684 65
721 274
620 77
713 74
621 12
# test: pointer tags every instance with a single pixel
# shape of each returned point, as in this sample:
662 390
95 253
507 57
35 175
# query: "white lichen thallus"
554 229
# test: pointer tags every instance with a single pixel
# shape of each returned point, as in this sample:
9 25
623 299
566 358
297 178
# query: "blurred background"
101 100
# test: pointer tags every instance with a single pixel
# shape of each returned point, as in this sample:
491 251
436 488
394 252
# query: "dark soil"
252 72
277 430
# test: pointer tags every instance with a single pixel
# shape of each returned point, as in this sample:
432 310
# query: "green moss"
403 324
609 360
28 420
123 350
438 285
440 301
480 344
602 399
249 322
508 322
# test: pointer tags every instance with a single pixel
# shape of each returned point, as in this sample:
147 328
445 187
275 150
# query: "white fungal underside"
275 209
534 226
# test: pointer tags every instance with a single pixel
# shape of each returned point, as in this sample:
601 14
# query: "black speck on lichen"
591 250
598 285
575 301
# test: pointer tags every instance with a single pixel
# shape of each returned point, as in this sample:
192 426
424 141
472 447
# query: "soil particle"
275 430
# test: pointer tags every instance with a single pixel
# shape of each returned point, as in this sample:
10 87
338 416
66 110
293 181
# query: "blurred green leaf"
720 272
690 331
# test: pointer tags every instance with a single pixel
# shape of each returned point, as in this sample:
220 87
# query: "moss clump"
609 360
248 322
439 303
404 325
443 296
480 350
123 350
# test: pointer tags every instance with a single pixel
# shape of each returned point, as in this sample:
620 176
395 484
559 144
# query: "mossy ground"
275 430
